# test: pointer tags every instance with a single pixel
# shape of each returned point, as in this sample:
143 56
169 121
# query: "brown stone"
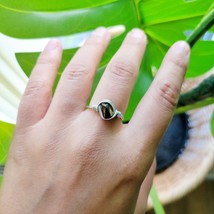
106 110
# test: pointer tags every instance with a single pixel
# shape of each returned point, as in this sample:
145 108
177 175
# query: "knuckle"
168 95
76 72
123 70
46 59
36 87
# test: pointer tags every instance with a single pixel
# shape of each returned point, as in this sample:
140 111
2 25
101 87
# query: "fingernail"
137 33
101 32
52 45
182 47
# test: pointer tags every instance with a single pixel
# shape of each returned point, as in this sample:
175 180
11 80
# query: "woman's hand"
64 158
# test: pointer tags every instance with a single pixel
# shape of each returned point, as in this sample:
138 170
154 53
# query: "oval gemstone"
106 110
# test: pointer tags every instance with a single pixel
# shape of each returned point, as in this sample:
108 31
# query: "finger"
74 87
155 110
144 190
38 93
118 79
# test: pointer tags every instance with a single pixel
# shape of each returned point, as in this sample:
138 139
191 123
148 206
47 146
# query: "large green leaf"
53 5
6 134
30 23
164 22
90 18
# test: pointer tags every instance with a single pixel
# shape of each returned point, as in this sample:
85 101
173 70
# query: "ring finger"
118 79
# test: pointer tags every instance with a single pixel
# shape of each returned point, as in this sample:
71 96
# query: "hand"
64 158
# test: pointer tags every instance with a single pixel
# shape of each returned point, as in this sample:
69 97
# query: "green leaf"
167 21
6 134
164 22
64 20
90 18
53 5
156 202
212 124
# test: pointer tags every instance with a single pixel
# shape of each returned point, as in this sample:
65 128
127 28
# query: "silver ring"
107 110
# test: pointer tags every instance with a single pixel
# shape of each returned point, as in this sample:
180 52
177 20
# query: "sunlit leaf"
53 5
90 18
73 18
164 21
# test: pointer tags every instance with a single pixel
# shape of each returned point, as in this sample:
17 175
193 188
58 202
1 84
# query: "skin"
64 158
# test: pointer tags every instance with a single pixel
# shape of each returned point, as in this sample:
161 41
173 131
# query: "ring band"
107 110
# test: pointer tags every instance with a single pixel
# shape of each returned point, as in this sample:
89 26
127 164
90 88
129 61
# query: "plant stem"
199 96
203 94
206 23
199 104
203 91
156 202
